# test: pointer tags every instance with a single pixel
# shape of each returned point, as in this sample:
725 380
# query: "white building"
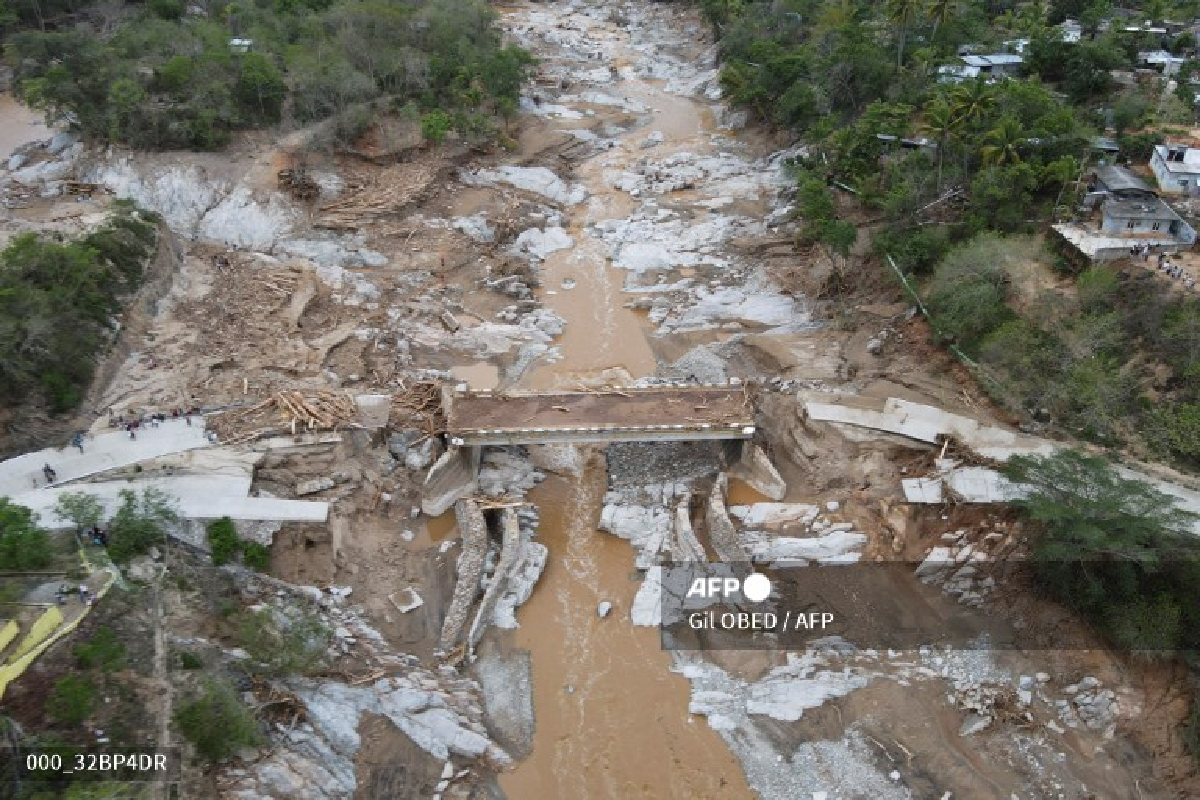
1162 61
1177 168
995 65
1071 31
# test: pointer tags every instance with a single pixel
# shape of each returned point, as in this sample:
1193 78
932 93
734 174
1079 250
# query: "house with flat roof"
1144 217
1131 213
1177 168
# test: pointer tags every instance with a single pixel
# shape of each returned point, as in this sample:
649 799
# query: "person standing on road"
49 473
77 441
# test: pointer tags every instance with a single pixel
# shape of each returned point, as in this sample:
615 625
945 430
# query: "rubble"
538 180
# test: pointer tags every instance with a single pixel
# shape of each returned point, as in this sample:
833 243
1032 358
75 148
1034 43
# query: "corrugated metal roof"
1119 179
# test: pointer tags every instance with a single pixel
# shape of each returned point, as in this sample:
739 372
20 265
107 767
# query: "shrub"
435 125
1175 428
284 644
104 651
223 540
1096 288
257 556
189 660
72 700
217 722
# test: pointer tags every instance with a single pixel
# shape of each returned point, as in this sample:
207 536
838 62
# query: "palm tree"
941 123
901 12
939 11
1003 142
971 101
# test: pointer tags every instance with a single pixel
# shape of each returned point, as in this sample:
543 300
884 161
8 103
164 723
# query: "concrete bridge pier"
748 463
452 477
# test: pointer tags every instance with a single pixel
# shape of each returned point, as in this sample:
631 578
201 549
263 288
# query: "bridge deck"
658 413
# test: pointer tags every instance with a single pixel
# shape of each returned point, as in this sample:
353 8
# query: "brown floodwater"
18 125
612 718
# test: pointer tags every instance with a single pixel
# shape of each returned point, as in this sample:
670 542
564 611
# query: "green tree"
1002 143
901 13
82 510
140 523
1088 513
217 723
939 11
23 545
1117 549
942 123
260 88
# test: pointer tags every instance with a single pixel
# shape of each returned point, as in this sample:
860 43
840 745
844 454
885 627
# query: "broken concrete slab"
101 453
454 476
470 569
927 424
196 497
756 469
313 486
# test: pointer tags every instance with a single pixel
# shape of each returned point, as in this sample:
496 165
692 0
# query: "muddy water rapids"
612 717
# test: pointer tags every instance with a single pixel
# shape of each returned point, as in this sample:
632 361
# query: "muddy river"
611 717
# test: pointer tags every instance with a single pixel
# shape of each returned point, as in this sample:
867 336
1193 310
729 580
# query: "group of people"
132 424
1164 264
66 590
1175 271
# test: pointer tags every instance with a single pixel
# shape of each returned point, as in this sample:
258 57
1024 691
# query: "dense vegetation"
23 545
1110 358
1115 359
141 522
168 74
58 302
1116 549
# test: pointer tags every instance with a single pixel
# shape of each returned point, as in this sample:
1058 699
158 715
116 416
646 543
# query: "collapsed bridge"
665 413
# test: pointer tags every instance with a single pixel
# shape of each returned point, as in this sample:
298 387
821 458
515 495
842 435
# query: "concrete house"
1131 213
1177 168
1131 208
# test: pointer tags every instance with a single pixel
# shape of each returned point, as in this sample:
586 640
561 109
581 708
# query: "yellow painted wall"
50 619
19 663
8 633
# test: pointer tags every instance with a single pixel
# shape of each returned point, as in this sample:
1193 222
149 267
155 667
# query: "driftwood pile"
386 192
419 406
286 412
